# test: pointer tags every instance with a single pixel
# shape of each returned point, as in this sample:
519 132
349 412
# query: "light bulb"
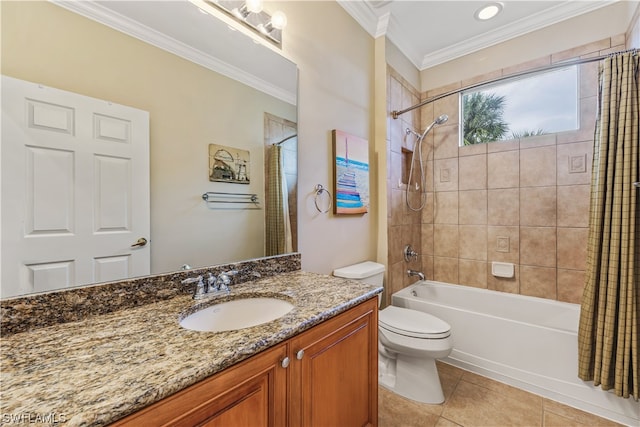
279 20
254 6
488 11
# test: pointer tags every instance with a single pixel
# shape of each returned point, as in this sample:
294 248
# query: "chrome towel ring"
319 191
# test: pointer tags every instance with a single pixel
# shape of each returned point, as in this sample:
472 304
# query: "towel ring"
319 190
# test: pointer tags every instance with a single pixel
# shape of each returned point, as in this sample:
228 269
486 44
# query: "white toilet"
409 342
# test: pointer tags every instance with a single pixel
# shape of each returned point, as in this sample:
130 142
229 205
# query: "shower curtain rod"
395 114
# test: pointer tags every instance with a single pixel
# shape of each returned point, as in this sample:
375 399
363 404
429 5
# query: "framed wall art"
228 164
350 174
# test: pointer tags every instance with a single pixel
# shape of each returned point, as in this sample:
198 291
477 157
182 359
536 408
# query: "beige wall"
335 58
189 107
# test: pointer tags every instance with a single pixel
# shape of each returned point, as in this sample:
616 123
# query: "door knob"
300 354
139 243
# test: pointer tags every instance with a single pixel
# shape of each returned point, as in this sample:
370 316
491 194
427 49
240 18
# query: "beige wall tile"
396 168
503 244
570 285
395 206
449 106
538 247
473 242
538 206
472 207
503 169
472 172
426 240
445 240
581 50
538 167
429 208
472 273
574 163
446 207
503 207
445 269
538 281
427 266
472 150
445 141
588 79
394 237
538 141
572 248
573 205
446 174
508 145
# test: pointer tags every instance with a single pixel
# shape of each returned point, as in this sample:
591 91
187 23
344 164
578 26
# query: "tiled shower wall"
524 202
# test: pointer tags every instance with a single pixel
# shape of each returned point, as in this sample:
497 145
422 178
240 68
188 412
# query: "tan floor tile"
473 405
396 411
443 422
504 389
576 416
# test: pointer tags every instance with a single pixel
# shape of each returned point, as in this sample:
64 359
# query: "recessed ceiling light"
488 11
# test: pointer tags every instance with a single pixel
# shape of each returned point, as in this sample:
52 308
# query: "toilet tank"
368 272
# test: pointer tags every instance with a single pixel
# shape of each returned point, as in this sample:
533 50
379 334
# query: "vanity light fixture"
488 11
251 14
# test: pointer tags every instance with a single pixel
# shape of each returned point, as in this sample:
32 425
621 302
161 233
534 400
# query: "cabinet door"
252 393
334 382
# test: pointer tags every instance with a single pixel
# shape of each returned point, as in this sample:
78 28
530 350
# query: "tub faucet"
415 273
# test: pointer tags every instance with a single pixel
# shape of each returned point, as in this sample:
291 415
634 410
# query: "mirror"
248 102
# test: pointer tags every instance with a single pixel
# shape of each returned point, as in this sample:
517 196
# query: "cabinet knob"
285 362
300 354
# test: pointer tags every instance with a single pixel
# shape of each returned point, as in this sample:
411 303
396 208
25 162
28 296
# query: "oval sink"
236 314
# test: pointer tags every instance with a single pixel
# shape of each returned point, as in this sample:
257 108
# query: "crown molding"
98 13
373 16
517 28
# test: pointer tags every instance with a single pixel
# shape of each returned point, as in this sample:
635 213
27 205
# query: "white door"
75 189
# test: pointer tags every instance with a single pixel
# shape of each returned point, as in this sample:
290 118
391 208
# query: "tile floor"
473 400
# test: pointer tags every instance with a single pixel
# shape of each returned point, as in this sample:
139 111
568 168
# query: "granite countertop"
97 370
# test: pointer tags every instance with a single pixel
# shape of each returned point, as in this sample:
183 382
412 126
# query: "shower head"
438 121
441 119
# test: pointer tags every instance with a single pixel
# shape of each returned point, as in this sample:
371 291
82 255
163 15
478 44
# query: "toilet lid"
413 323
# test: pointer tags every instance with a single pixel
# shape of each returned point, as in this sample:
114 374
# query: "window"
538 104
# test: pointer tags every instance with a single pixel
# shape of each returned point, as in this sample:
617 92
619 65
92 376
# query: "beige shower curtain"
608 331
278 225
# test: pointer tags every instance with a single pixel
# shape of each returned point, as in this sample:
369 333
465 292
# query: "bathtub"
530 343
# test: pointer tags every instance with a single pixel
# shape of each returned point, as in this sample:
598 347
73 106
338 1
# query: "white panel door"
75 189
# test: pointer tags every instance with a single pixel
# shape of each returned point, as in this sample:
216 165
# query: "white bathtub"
527 342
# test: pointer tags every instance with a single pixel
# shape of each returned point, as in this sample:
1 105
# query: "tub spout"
415 273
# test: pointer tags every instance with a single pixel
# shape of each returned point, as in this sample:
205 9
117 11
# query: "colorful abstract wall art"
350 174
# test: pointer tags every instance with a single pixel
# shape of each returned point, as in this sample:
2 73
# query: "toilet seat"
413 323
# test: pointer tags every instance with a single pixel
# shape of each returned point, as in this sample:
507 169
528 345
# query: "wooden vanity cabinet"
251 393
326 376
334 371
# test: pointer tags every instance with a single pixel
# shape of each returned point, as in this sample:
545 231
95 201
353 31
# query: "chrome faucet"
212 284
420 274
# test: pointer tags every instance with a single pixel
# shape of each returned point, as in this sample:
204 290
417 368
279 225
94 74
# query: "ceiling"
428 32
431 32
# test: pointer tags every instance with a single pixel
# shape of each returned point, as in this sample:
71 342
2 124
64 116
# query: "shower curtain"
278 226
608 331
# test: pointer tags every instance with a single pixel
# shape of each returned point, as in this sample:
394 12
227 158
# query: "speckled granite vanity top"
97 370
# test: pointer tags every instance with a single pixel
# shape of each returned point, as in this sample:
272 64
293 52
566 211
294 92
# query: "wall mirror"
201 82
